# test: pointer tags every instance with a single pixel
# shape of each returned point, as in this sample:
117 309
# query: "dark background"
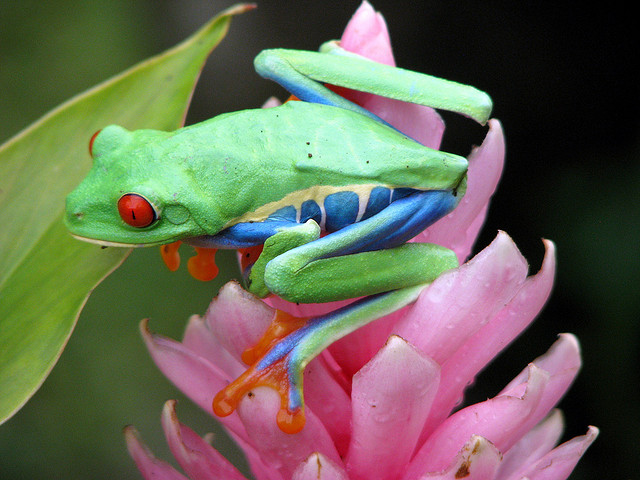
564 84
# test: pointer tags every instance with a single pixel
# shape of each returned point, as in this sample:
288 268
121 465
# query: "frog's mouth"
106 243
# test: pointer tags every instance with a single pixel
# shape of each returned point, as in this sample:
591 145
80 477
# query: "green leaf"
46 275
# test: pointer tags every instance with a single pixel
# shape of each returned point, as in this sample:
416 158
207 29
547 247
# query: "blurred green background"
564 86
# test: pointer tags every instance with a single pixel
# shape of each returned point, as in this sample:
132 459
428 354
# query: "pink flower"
381 402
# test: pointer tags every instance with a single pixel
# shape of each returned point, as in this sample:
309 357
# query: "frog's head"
133 195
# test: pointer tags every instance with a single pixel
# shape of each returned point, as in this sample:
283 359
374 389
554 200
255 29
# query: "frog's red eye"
136 210
93 138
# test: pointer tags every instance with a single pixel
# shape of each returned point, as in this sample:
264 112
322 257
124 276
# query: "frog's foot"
276 364
201 267
170 255
290 343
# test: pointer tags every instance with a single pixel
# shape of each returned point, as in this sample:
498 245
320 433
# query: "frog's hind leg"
286 68
367 257
291 343
304 74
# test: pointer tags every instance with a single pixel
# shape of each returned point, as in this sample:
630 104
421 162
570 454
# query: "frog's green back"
254 157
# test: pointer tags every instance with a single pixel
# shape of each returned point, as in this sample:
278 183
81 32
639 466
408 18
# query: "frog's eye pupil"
91 140
135 210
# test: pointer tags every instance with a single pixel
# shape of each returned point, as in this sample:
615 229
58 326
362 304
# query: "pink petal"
535 444
497 419
458 230
366 34
484 345
560 462
197 458
479 459
195 376
237 318
150 467
354 350
319 467
391 398
473 230
421 123
563 356
282 451
460 302
199 339
329 402
260 470
271 102
562 362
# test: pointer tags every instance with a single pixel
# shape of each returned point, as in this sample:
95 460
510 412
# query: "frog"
320 195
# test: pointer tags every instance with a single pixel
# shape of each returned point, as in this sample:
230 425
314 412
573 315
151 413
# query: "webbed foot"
201 267
276 363
290 343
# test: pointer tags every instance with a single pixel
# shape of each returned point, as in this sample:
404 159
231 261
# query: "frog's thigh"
367 257
359 274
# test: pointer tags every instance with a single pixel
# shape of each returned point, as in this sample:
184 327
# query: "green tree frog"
329 191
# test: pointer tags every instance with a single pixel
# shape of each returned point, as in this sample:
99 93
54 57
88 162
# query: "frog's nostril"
79 215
